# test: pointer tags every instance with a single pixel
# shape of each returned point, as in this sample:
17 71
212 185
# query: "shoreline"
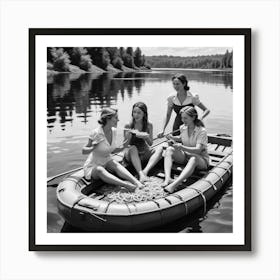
196 69
96 70
111 69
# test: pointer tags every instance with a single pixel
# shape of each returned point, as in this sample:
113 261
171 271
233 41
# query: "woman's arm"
126 133
124 145
192 150
166 120
204 109
149 139
88 148
174 138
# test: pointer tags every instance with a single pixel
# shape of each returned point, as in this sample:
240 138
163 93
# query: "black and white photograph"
139 140
136 133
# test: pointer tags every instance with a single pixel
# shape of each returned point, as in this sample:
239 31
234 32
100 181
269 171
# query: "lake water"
74 102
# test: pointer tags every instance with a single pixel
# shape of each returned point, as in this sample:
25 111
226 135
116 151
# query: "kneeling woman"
139 135
189 148
101 143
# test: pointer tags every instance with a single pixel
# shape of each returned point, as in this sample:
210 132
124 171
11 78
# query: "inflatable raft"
91 206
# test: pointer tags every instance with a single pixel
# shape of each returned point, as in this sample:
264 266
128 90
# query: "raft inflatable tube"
94 214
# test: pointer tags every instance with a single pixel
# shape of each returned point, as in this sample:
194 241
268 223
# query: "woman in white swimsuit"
101 144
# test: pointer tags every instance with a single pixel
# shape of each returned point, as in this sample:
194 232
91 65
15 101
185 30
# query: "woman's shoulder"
170 100
182 127
149 126
170 97
96 132
201 129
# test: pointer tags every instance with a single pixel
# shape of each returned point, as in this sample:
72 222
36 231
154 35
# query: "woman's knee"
133 149
99 170
158 150
169 151
193 160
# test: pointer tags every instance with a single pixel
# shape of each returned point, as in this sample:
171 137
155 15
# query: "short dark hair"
183 79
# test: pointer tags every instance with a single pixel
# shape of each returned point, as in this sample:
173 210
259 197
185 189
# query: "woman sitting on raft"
139 135
189 148
101 143
180 100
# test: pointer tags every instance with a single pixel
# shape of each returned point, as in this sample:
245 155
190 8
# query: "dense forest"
65 59
201 62
61 59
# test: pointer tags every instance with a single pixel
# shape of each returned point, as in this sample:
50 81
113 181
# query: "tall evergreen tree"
122 52
138 57
115 57
100 57
143 60
60 59
128 58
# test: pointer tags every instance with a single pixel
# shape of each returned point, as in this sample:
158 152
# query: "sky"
187 51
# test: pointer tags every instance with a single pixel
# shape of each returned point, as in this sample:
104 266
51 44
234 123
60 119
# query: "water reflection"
67 93
82 93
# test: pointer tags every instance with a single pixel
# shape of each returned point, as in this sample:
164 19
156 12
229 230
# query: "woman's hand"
161 134
177 146
169 137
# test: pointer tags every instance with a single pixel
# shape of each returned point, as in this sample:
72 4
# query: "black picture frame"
246 32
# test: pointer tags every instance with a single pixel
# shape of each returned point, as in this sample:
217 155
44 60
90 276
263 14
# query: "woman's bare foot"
171 188
143 177
167 182
139 185
129 186
144 172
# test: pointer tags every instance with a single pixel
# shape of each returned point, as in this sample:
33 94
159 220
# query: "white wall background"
16 262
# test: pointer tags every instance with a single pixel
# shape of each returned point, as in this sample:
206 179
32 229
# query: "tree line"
200 62
60 59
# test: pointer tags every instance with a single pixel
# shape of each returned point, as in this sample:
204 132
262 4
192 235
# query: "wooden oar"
63 173
79 168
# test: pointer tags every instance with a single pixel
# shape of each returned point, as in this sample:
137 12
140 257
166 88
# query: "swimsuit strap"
177 108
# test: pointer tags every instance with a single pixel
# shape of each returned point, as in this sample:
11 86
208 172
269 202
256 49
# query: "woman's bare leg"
154 159
101 173
168 161
187 172
123 172
133 156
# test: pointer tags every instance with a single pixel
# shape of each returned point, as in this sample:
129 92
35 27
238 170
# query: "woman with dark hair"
139 134
180 100
101 144
189 148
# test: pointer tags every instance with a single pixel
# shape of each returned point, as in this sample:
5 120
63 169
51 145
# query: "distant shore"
111 69
195 69
95 70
